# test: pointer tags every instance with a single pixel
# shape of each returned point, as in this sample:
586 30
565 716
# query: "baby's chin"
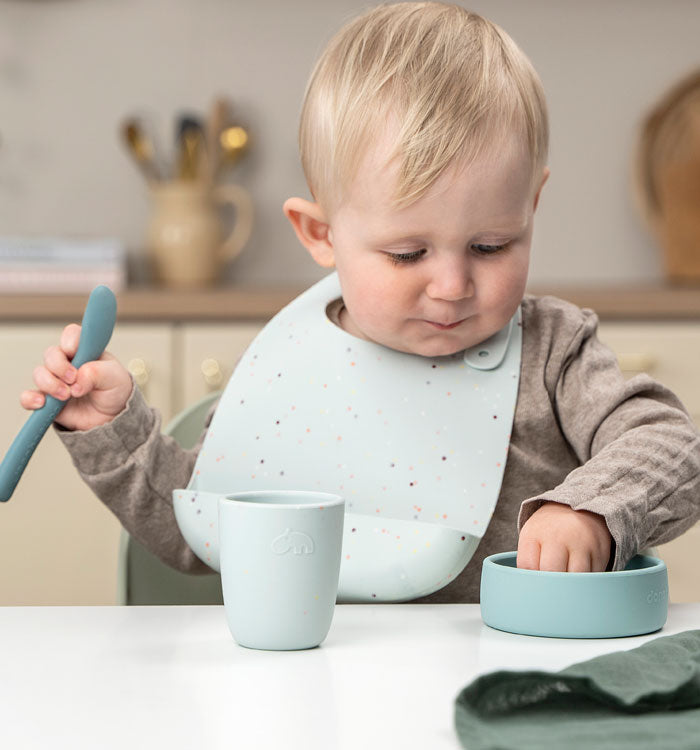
431 347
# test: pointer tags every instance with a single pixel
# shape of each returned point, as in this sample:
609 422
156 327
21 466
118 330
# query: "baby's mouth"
445 326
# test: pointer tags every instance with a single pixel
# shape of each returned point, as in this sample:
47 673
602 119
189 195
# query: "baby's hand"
95 393
556 537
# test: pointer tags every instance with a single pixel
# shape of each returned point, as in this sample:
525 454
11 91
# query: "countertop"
225 303
387 676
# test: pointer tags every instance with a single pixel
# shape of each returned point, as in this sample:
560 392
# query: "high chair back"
142 578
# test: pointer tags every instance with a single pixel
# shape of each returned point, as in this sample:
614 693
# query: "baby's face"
444 273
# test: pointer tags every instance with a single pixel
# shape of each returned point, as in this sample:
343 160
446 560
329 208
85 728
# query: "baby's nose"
452 281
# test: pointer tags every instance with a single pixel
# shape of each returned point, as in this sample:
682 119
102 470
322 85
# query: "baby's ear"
312 229
545 177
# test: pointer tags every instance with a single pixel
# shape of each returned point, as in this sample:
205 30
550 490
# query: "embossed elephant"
295 541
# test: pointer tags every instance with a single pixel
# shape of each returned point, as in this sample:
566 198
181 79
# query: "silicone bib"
416 445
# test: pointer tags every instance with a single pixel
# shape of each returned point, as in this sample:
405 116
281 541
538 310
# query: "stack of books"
51 265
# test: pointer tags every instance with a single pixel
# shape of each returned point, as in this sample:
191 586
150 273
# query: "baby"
424 142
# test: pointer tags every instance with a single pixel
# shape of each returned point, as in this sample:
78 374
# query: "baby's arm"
638 450
133 468
556 537
115 441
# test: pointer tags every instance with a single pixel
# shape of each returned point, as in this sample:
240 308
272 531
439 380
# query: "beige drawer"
668 352
209 353
681 558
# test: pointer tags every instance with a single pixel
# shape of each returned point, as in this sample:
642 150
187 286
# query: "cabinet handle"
139 370
213 374
637 362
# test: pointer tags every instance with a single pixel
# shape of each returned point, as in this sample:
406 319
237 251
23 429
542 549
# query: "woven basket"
668 178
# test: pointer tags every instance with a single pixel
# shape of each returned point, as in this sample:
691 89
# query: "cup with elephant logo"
280 561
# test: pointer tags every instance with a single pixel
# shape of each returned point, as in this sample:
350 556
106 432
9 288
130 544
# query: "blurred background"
113 114
71 71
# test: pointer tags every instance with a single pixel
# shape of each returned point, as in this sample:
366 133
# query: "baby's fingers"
31 399
70 338
579 561
528 553
554 556
47 382
58 364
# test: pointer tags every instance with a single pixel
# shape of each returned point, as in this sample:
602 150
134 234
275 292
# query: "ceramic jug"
185 241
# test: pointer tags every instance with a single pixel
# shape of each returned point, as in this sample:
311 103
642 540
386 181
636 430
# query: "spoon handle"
97 326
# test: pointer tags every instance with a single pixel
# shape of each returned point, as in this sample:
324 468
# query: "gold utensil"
141 148
234 142
219 117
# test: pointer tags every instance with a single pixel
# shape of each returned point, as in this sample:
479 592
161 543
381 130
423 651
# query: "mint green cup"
280 561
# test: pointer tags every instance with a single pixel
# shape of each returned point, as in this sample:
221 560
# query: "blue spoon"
97 326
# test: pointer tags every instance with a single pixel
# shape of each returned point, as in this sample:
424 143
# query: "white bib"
416 445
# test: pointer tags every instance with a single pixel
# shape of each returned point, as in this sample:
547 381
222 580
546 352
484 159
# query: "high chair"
142 578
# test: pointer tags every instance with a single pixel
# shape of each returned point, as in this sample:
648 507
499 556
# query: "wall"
70 70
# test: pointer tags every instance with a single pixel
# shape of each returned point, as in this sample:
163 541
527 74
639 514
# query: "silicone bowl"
619 603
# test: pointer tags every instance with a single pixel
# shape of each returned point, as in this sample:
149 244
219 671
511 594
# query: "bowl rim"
495 562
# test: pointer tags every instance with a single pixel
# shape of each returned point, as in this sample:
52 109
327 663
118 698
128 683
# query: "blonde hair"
455 82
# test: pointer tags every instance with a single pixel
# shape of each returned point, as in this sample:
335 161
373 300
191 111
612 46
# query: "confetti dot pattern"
399 436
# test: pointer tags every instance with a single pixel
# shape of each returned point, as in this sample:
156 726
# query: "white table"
172 677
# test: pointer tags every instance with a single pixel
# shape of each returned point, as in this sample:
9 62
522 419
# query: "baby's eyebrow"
515 226
506 225
393 239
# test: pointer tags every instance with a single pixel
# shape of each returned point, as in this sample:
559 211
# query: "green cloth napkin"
641 699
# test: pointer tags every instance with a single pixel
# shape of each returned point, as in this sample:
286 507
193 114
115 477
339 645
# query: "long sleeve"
639 450
133 468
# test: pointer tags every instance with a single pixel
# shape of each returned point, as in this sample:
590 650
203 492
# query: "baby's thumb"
100 375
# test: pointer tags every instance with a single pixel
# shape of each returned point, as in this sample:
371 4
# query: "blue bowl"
617 603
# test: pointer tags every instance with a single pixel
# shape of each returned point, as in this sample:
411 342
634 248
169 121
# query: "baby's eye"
489 249
411 257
